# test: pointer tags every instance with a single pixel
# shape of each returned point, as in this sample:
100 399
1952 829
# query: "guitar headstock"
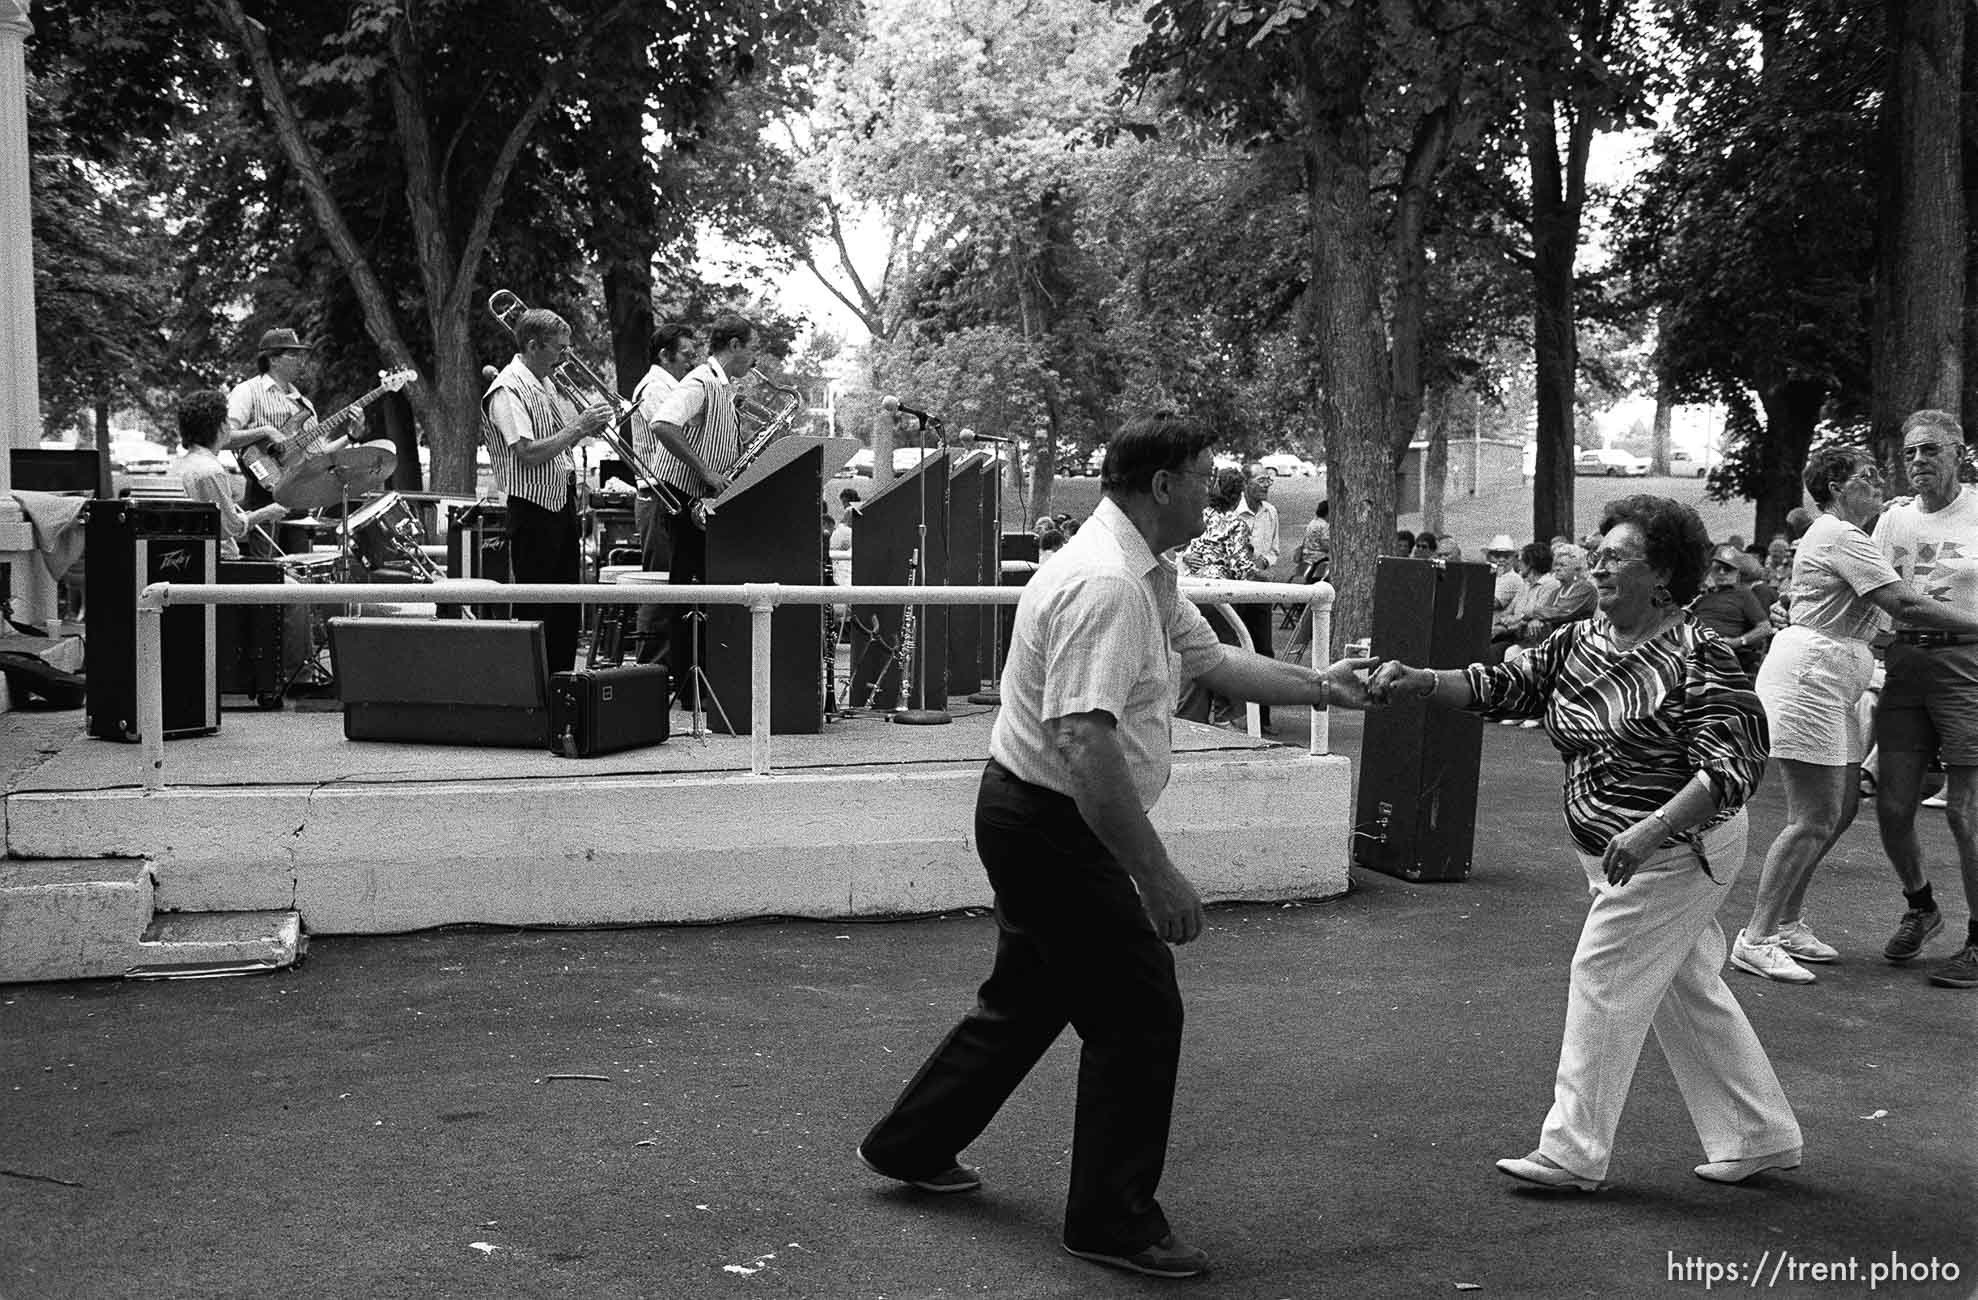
393 380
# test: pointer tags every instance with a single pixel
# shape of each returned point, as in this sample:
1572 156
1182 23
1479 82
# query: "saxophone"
908 626
764 412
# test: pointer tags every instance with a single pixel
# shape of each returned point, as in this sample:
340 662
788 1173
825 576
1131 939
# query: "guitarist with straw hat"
270 407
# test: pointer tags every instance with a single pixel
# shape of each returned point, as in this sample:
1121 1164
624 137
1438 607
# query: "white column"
20 390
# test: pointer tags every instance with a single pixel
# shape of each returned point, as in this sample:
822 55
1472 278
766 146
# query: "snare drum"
386 535
318 567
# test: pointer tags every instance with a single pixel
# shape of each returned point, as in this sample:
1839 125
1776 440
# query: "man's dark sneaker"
1960 972
1915 930
955 1178
1168 1257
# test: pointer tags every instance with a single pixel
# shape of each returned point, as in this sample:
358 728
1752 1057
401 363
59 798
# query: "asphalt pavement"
671 1112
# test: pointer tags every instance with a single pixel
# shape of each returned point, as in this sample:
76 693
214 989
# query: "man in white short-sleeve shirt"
1085 891
1929 704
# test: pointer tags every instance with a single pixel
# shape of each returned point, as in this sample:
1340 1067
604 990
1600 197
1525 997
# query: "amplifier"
477 547
129 544
1417 811
259 648
442 681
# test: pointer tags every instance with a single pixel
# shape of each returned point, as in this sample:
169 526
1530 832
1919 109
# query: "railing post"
151 690
762 604
1321 657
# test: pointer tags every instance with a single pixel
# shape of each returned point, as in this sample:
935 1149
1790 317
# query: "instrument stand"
992 688
911 682
697 678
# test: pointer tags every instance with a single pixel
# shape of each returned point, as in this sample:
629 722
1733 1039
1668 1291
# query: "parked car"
1610 461
140 456
1684 465
1285 465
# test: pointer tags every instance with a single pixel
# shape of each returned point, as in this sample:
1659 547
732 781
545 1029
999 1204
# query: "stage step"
189 945
72 918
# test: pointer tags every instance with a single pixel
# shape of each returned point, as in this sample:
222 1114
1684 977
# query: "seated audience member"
1448 549
1312 558
1573 599
1404 543
1731 610
1511 587
1425 546
1222 550
1751 574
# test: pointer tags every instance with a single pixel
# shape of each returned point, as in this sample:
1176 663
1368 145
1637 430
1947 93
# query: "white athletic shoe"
1799 940
1769 958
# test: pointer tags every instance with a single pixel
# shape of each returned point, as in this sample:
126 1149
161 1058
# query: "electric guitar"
271 463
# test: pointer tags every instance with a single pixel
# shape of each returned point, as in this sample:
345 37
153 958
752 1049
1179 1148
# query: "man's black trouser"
686 643
1073 946
542 547
655 556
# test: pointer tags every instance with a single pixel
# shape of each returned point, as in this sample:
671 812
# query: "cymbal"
326 479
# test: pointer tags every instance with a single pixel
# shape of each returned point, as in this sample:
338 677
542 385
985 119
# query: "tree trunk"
1665 418
628 311
1921 297
1969 118
1435 463
1555 218
1792 410
1364 441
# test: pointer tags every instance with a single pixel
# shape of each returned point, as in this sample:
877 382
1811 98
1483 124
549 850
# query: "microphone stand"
916 679
992 686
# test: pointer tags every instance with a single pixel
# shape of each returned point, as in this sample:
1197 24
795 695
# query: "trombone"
583 387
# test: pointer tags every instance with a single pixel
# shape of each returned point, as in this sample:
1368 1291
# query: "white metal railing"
760 598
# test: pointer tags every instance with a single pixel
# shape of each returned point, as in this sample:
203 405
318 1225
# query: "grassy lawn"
1471 520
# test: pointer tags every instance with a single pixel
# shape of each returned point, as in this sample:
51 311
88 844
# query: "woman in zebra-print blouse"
1664 740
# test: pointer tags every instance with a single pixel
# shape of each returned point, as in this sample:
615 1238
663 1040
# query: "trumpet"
583 387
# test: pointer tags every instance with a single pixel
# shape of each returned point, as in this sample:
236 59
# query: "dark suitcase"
603 710
1417 811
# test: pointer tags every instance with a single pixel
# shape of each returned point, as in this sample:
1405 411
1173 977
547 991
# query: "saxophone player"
671 350
699 439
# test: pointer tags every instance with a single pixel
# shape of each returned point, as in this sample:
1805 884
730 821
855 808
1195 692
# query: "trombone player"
699 435
529 434
671 349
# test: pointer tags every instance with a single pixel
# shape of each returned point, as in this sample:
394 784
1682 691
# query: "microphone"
989 437
892 404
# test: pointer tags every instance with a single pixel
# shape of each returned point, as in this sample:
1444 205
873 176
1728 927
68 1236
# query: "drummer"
202 415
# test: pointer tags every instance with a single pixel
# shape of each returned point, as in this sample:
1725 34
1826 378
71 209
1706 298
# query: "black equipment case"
130 544
603 710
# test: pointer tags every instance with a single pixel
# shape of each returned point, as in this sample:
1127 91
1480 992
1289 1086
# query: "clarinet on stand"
911 678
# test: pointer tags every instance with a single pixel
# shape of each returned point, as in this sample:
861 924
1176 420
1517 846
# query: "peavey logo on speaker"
176 560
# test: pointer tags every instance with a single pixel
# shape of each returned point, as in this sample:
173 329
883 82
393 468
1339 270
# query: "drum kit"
381 540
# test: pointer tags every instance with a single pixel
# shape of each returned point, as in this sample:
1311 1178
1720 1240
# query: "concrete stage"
277 812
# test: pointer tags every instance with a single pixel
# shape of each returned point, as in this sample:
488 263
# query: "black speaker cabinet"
477 547
442 681
260 648
129 544
1417 812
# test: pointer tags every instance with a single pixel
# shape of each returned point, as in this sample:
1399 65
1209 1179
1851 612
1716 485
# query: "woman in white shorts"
1811 682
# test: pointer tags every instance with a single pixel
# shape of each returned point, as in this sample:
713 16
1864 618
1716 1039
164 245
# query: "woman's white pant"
1652 955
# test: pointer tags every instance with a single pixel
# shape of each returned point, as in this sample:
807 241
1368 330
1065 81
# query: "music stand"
965 509
764 528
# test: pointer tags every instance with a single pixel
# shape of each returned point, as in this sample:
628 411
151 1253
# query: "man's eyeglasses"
1924 449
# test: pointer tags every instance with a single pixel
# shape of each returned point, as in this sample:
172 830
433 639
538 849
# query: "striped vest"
268 404
714 432
547 484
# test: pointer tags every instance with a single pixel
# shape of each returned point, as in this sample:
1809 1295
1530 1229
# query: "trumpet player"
529 435
700 439
672 351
